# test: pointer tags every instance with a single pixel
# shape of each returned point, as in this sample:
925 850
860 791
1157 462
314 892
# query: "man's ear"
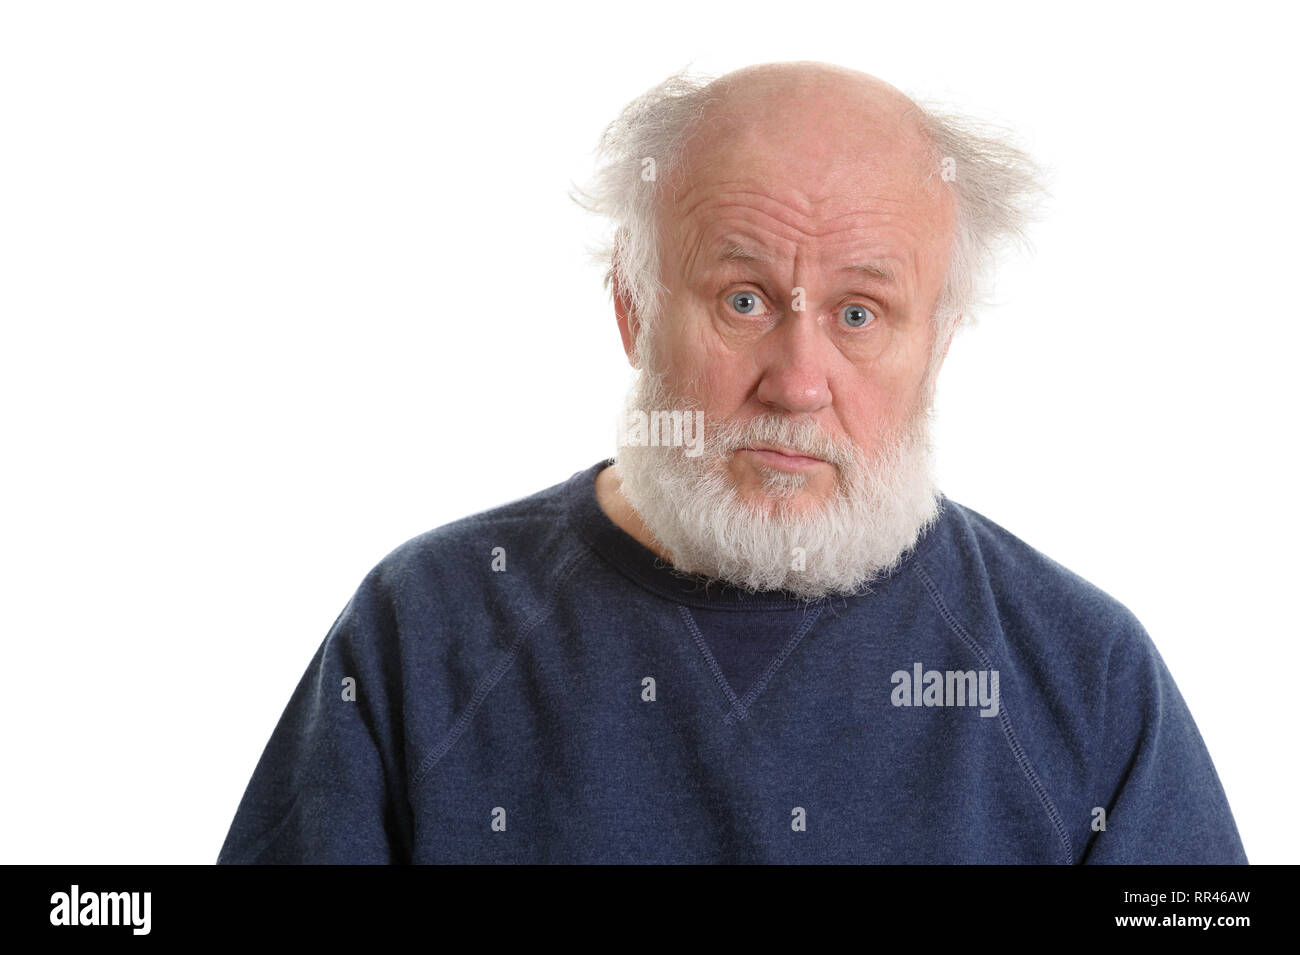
628 325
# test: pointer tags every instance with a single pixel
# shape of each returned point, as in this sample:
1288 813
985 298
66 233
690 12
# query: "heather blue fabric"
742 644
518 696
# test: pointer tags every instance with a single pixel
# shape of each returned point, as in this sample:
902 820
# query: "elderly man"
762 635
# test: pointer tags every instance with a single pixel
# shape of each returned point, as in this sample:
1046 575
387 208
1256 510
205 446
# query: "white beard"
881 506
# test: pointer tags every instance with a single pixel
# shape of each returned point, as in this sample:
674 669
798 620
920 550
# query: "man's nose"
793 359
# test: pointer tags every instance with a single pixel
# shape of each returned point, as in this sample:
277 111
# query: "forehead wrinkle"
889 216
736 197
865 255
733 249
804 183
881 210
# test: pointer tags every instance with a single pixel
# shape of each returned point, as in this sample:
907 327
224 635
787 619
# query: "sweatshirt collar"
637 562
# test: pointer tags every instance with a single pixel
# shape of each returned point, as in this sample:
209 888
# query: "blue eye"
856 315
744 302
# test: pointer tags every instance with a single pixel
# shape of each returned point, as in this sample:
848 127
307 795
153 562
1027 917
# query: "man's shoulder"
510 550
533 518
1072 655
1034 596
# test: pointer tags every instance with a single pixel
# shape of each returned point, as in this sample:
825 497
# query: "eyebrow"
731 251
735 252
874 269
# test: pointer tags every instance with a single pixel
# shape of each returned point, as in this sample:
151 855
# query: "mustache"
801 437
724 437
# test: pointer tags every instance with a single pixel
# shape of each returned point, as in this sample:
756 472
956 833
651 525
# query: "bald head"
814 121
805 86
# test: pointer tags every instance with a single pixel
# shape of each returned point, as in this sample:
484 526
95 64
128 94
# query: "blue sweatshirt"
531 684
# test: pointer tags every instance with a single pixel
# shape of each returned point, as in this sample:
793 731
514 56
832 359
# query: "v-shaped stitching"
740 705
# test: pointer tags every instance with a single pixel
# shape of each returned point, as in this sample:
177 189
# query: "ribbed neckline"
641 565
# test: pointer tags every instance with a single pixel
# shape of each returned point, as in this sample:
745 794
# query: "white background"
285 284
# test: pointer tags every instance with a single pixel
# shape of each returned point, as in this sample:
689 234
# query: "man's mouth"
782 457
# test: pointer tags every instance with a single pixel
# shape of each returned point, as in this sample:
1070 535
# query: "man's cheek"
870 413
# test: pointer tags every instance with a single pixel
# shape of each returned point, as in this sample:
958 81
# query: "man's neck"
609 495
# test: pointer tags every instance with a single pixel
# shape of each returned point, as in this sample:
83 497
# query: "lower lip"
790 462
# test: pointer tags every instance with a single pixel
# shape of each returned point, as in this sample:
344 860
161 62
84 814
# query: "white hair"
883 501
995 184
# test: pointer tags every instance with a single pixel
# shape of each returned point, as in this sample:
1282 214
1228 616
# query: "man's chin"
776 492
777 503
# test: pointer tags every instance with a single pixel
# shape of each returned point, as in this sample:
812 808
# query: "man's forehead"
735 248
726 247
802 157
735 223
824 205
819 175
816 185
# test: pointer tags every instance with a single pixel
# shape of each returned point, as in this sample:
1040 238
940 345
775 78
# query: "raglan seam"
1004 716
503 666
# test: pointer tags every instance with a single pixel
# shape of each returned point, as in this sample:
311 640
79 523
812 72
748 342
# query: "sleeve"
1163 801
329 785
